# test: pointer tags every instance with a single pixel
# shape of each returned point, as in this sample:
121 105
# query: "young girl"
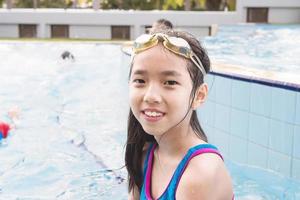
167 155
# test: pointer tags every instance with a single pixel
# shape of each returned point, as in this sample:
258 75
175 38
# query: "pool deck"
58 40
257 75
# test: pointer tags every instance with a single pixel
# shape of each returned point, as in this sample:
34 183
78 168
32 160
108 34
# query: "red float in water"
4 128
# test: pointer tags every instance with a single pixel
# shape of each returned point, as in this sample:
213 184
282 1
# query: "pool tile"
240 97
223 90
297 117
281 137
283 105
296 169
222 118
260 99
296 151
221 140
259 130
257 155
207 112
238 149
239 123
210 80
203 125
280 163
209 132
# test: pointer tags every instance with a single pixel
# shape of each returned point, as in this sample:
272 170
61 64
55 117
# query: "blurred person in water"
161 24
6 127
67 55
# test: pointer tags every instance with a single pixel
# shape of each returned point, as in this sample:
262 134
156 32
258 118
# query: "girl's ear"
200 96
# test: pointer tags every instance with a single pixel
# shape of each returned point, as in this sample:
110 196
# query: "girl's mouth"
152 115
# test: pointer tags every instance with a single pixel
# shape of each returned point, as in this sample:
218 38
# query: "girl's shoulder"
205 177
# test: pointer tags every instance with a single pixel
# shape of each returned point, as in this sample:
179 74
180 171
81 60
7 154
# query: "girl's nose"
152 95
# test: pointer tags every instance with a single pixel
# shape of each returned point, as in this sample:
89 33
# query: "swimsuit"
170 191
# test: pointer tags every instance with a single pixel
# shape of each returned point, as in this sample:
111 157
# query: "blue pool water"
72 122
268 47
70 140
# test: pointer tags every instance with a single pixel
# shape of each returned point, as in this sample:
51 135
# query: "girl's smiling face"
159 90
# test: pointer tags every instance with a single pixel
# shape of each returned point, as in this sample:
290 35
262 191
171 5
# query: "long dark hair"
137 137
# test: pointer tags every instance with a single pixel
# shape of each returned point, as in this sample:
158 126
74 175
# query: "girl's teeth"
153 114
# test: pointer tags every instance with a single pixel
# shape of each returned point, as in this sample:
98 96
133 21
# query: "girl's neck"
178 141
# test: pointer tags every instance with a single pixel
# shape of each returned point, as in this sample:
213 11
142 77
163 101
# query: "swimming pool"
267 47
72 126
70 141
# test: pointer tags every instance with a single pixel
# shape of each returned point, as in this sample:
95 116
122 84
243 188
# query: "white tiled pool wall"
253 123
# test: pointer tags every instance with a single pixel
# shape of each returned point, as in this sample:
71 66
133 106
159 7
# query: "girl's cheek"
135 91
134 97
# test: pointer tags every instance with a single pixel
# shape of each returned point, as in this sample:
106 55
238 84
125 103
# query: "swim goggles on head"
177 45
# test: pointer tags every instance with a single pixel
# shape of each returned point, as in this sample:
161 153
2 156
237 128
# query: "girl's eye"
171 83
139 81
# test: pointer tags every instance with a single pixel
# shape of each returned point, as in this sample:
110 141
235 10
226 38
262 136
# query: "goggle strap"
198 63
131 58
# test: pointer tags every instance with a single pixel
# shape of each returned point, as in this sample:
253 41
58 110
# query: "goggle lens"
179 42
143 38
